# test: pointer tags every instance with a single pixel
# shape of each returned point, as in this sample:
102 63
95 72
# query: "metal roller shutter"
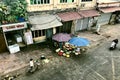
104 18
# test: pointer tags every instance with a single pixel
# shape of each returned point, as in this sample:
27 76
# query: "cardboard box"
18 38
14 48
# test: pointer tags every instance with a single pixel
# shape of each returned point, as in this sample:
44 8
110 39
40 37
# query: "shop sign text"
13 27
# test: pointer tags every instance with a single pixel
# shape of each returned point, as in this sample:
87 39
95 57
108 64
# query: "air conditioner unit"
82 5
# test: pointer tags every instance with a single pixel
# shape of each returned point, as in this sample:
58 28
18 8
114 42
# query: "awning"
107 1
89 13
69 16
40 22
110 9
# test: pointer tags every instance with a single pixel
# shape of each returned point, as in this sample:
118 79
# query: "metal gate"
78 25
82 24
85 23
104 18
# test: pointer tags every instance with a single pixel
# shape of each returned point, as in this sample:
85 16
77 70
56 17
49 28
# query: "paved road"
97 64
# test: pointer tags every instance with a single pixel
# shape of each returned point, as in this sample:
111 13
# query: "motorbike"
37 65
113 44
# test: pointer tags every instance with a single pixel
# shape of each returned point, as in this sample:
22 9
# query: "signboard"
11 27
28 38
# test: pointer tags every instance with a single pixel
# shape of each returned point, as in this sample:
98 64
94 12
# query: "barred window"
38 33
39 1
86 0
66 1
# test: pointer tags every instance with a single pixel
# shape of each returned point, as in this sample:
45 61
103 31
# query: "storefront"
104 18
88 20
115 18
69 21
14 35
43 27
81 24
107 12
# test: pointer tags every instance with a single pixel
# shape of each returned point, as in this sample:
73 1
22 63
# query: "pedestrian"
113 44
98 29
31 64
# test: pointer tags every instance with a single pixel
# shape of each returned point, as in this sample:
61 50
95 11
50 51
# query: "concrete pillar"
54 30
73 26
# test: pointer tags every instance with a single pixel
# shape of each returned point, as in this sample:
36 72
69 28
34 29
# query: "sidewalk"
14 62
107 32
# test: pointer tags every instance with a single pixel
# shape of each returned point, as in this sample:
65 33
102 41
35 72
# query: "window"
66 1
39 1
86 0
38 33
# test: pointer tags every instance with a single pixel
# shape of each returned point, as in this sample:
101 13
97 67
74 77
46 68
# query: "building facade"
71 13
109 11
46 5
75 15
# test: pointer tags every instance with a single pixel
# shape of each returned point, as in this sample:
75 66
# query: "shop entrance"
66 28
15 37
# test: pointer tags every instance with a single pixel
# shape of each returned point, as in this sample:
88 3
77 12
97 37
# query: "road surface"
97 64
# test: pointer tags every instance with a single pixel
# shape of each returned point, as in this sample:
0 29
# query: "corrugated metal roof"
69 16
40 22
110 9
41 19
89 13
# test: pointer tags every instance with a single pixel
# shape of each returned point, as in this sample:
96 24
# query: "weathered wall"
55 5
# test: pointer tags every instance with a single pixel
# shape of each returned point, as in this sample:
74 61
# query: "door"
49 33
66 28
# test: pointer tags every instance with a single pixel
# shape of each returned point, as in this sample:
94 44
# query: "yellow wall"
88 5
55 4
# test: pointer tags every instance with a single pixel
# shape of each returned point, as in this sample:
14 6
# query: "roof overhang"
109 9
69 16
89 13
40 22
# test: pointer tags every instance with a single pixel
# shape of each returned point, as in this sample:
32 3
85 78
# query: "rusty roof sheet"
109 9
89 13
69 16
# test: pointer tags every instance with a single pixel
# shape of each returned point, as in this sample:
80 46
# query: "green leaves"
12 8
